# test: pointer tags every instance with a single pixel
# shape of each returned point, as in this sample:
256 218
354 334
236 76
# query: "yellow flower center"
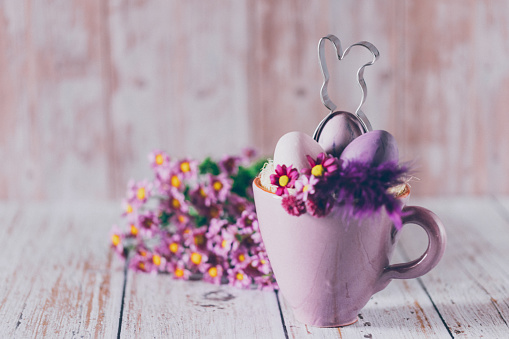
115 239
134 230
175 181
317 170
199 239
175 203
159 159
184 167
143 253
196 258
179 273
129 208
213 272
174 247
263 262
283 180
239 276
203 193
305 188
140 194
156 259
217 185
182 219
241 257
224 243
141 265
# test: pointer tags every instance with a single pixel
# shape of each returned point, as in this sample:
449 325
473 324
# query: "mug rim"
405 192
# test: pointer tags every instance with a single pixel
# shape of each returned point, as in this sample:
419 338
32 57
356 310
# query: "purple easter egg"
338 131
374 148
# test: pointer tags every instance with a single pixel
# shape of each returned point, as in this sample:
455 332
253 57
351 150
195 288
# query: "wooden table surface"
58 278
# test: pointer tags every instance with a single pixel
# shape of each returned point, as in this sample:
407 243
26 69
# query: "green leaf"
164 218
187 195
201 221
245 176
193 212
209 166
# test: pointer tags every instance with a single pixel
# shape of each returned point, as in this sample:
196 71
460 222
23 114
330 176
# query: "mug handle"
436 246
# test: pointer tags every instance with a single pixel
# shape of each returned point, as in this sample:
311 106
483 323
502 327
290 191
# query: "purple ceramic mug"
328 268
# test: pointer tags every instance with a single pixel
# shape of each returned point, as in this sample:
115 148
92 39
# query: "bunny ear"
360 74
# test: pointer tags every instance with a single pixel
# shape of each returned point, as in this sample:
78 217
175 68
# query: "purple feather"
363 189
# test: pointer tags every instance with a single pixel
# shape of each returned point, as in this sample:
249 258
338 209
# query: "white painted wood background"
58 278
89 87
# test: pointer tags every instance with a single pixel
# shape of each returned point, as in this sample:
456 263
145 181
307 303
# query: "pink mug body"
328 268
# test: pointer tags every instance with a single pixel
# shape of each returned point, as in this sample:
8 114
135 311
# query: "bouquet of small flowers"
196 220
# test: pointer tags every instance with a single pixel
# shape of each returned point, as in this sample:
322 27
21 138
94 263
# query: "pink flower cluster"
313 187
196 221
360 187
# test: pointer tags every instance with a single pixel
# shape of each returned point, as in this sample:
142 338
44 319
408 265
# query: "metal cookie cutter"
363 120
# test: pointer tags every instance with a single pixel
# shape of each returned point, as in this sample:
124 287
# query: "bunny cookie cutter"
361 117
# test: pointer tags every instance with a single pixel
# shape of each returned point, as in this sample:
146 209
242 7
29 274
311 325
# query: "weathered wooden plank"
179 80
469 286
501 203
283 77
402 310
454 70
58 277
162 307
381 24
52 130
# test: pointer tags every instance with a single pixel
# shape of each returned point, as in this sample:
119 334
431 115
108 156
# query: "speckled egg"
292 148
372 148
338 131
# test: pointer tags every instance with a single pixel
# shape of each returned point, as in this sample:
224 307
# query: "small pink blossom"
173 246
148 223
319 206
187 168
129 210
261 262
248 155
138 192
219 186
224 243
266 283
237 205
230 164
213 273
143 261
177 202
247 222
196 260
158 159
241 258
306 186
324 165
284 179
239 278
117 240
196 239
202 196
178 270
293 205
